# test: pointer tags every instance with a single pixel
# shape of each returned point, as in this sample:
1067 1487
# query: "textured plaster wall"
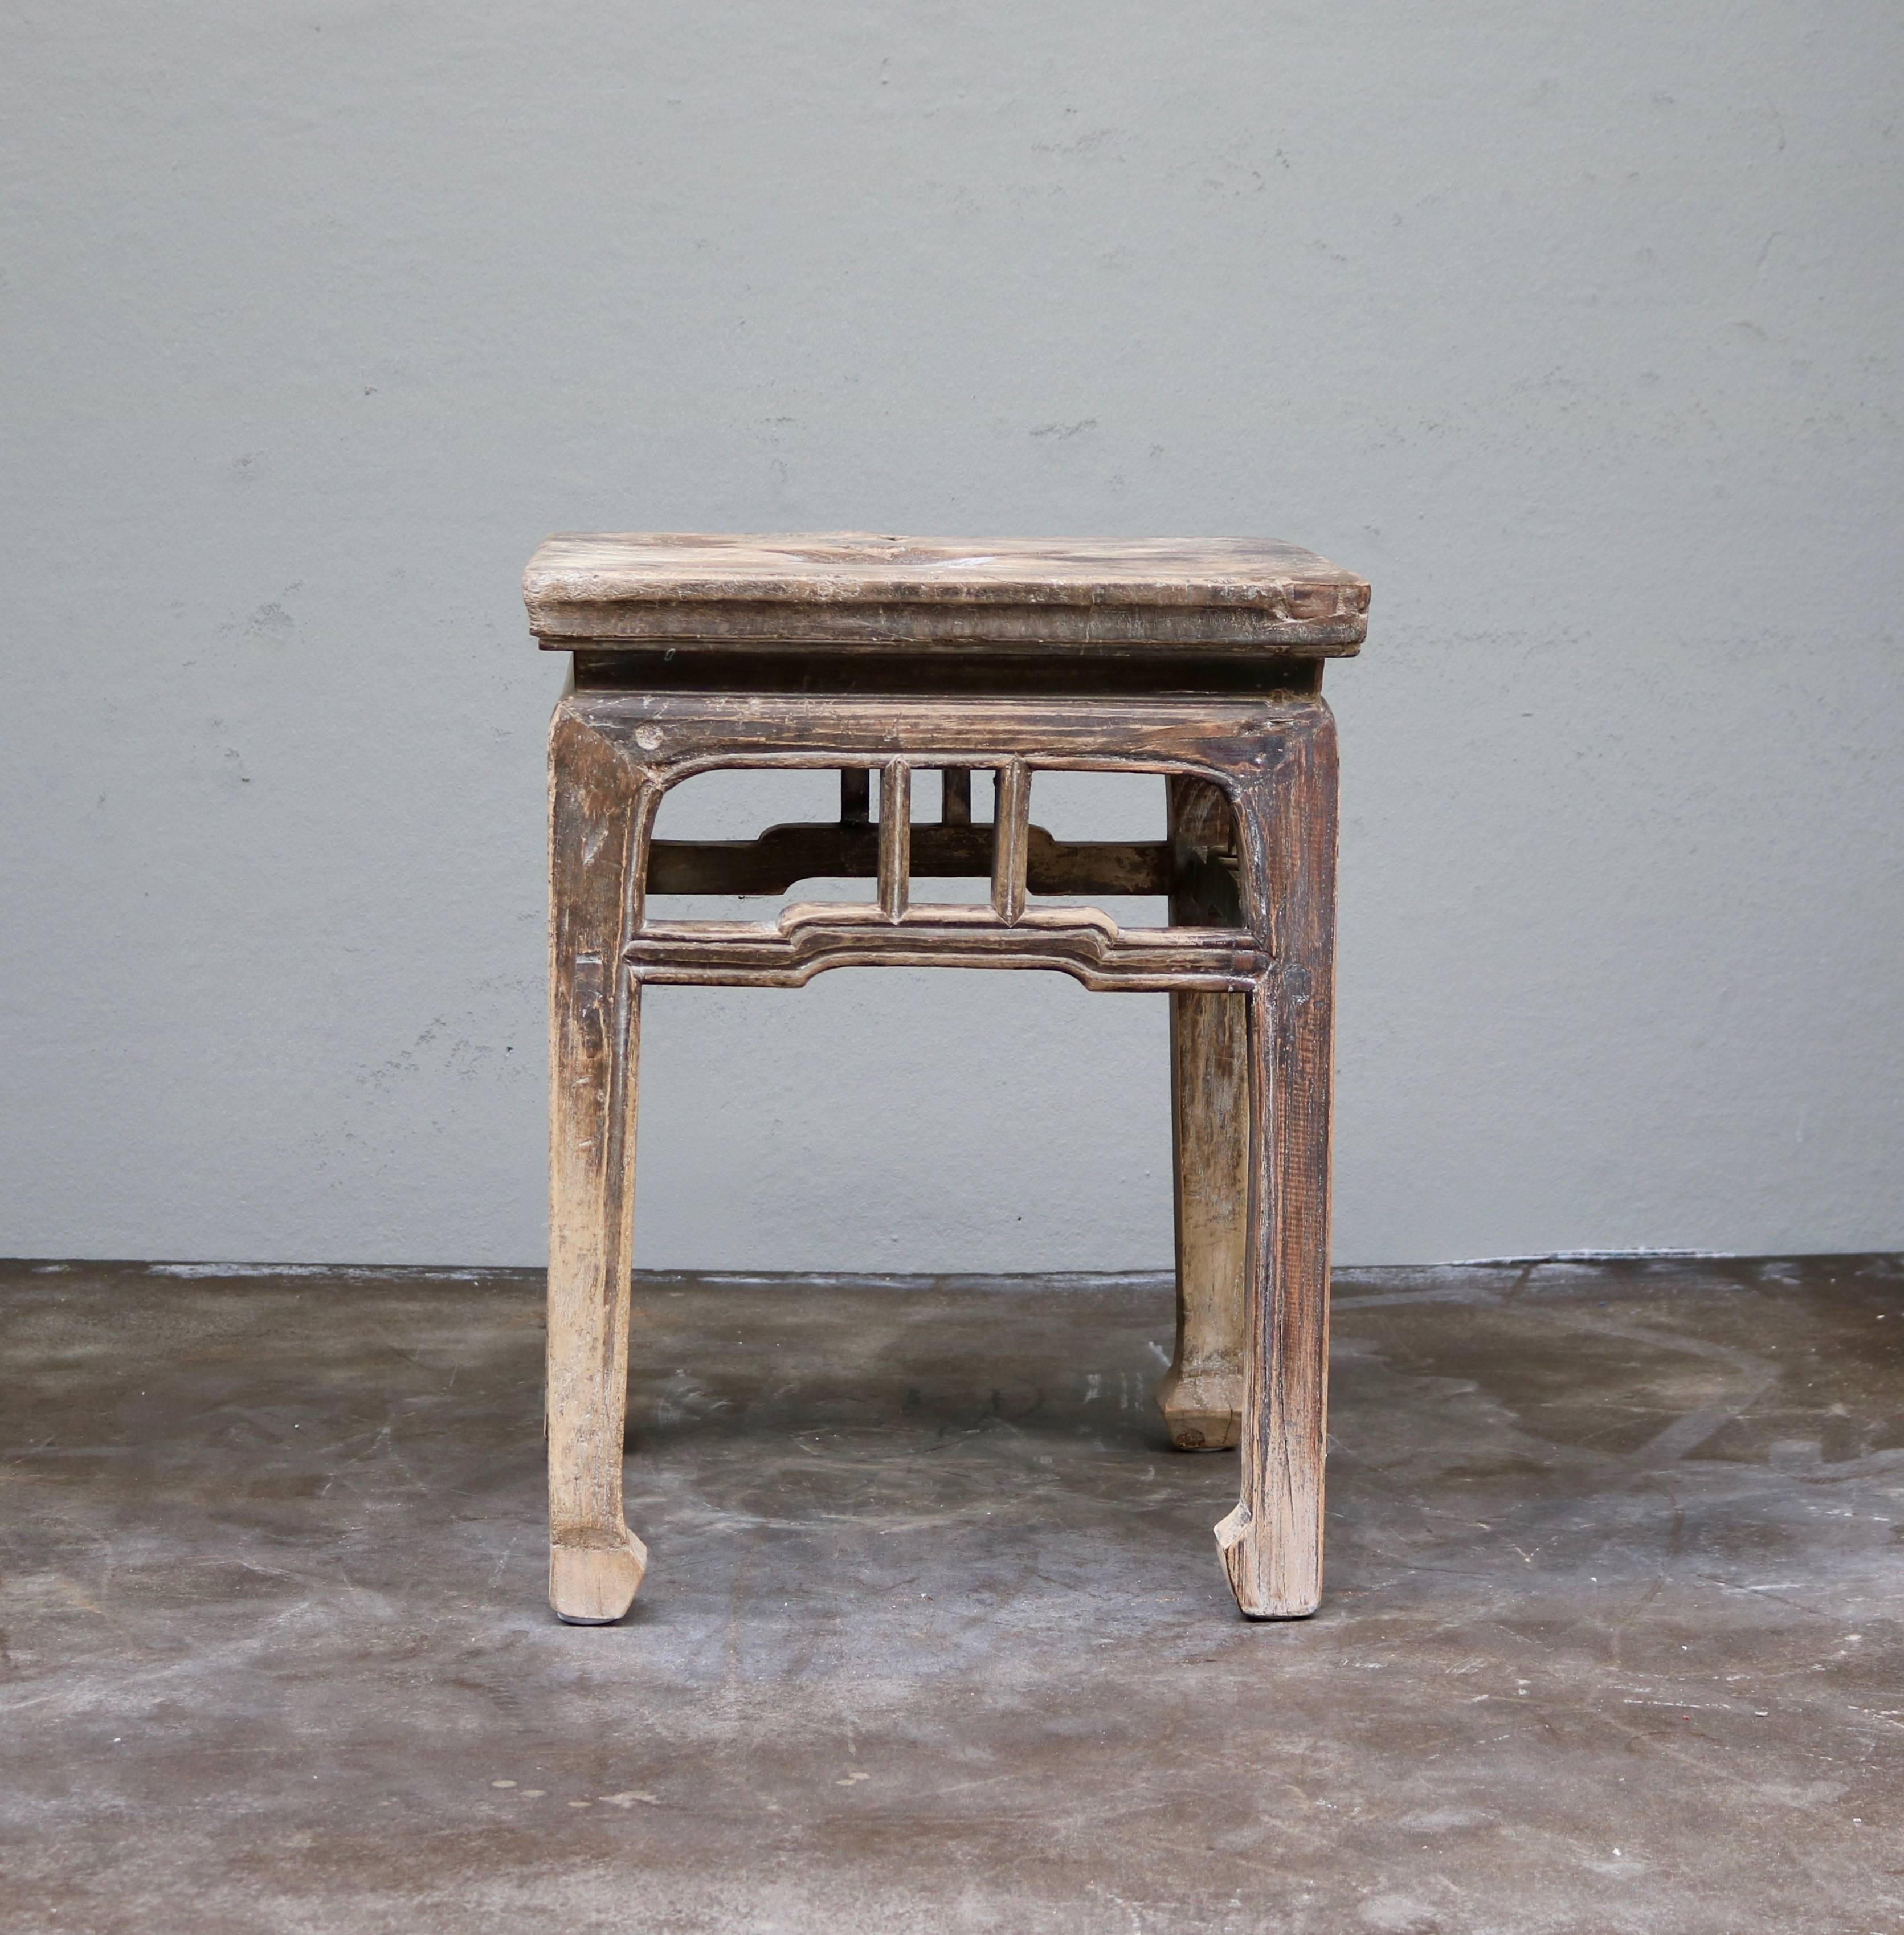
1576 329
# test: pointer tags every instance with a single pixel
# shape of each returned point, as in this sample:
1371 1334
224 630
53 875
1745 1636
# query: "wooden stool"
1201 661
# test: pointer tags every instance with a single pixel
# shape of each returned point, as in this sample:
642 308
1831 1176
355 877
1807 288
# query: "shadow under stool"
1197 659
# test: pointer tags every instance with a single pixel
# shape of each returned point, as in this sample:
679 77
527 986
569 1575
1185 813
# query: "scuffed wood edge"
767 625
1272 1542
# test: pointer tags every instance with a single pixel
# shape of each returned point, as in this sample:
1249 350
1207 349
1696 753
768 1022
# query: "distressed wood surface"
807 939
895 838
1271 1542
1201 1395
675 735
1011 841
600 808
1248 866
842 589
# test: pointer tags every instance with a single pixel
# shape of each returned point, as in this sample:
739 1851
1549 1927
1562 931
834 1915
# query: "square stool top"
1016 594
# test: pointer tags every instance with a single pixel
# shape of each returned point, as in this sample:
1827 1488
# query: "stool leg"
1201 1396
1271 1543
599 811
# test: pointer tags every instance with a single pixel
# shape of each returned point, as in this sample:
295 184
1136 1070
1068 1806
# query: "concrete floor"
935 1636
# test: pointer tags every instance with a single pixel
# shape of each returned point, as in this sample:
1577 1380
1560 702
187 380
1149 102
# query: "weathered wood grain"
1011 841
600 805
895 838
1201 1396
767 676
680 733
840 588
809 939
1271 1543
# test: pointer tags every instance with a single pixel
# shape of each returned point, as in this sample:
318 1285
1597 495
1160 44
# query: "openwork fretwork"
1021 858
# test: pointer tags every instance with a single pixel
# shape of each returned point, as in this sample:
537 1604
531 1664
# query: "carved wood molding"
809 938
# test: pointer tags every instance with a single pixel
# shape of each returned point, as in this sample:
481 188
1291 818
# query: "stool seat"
842 589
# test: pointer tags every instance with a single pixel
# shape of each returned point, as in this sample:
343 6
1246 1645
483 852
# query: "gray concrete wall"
1576 329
